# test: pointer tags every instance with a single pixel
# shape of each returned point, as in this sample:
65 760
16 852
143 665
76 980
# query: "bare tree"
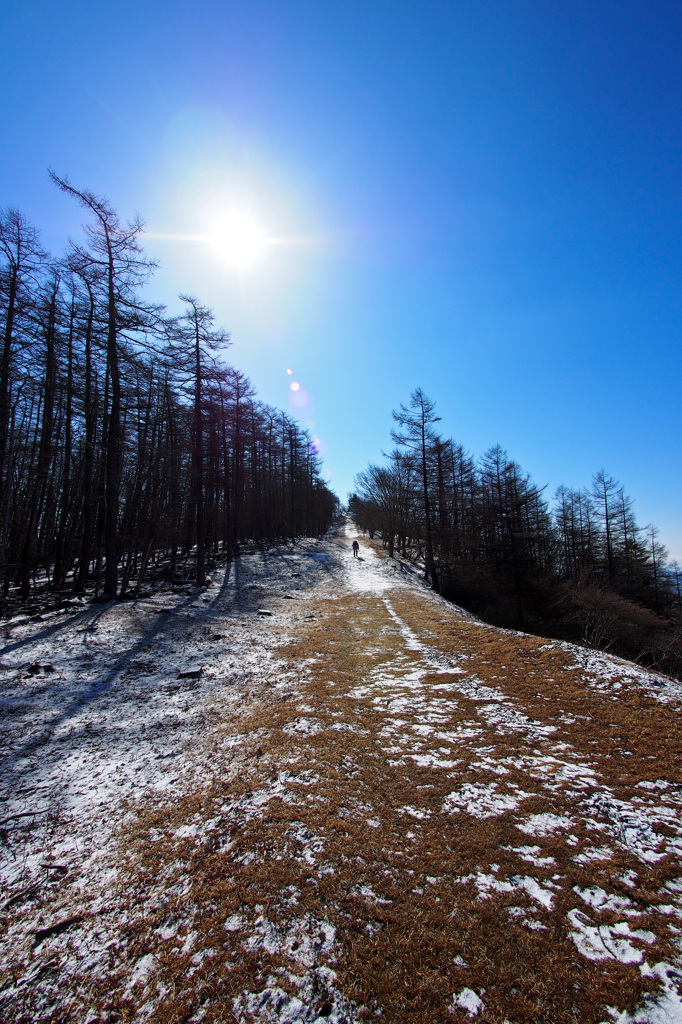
115 250
195 340
379 508
418 437
22 262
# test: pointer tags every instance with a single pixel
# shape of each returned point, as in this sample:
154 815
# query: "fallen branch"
22 814
22 894
191 673
54 929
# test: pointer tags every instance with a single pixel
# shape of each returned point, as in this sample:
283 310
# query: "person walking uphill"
356 548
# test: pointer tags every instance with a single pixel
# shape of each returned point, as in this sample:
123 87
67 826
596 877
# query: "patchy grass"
417 805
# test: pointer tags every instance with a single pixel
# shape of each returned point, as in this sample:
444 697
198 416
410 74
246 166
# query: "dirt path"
367 805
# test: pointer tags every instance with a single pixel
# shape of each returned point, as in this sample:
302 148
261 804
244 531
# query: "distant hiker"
356 548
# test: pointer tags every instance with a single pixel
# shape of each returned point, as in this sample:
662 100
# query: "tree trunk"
113 449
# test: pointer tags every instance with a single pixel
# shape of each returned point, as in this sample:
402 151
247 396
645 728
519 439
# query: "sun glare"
238 239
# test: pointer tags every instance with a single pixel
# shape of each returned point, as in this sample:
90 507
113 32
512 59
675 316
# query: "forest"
128 447
578 568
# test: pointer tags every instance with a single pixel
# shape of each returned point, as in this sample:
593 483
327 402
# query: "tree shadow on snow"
91 691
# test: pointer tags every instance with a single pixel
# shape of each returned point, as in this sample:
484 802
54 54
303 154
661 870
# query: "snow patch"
544 824
467 1000
482 801
607 942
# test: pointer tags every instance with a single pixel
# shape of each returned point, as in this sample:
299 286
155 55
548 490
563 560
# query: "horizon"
481 204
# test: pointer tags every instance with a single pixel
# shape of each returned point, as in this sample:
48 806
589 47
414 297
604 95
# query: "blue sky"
480 199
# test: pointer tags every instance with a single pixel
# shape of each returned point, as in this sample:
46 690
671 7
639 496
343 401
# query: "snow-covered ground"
109 710
107 706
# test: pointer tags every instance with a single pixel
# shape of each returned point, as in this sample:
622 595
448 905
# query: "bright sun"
238 240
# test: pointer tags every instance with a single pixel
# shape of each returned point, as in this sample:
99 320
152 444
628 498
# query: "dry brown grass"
544 681
306 826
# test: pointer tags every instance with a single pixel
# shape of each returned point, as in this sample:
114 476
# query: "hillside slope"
316 791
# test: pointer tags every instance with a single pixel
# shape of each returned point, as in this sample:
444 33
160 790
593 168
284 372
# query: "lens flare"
295 386
318 446
299 398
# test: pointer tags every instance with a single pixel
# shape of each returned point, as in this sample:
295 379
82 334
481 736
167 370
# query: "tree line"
579 567
126 442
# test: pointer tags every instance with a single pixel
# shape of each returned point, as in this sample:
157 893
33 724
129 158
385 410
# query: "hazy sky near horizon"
480 199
